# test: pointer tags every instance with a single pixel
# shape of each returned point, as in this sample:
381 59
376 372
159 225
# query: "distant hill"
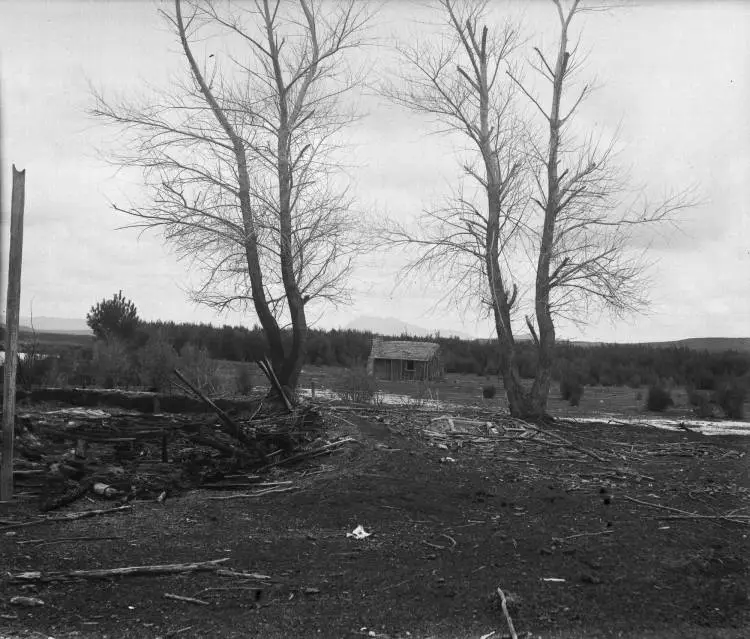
55 325
710 344
395 327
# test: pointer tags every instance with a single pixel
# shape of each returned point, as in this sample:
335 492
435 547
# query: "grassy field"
463 389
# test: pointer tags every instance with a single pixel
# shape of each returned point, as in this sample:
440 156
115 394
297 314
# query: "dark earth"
551 527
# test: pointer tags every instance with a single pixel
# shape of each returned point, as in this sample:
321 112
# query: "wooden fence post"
11 332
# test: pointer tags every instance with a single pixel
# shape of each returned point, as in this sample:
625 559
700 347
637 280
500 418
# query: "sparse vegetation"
658 399
244 379
112 364
155 362
198 366
358 386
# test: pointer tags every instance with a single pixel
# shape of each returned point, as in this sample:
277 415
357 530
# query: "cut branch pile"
62 455
449 432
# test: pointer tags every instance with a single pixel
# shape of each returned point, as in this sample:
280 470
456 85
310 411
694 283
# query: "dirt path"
575 557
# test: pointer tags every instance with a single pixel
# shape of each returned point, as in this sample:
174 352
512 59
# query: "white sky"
675 76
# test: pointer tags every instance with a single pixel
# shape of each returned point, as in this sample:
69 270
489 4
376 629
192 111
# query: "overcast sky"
674 76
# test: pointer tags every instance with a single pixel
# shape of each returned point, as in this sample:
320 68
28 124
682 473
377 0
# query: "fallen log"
226 449
68 497
233 429
128 571
67 517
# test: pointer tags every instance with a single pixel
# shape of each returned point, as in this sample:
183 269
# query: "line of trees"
601 365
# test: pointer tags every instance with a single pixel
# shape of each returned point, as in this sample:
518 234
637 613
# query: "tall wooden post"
11 333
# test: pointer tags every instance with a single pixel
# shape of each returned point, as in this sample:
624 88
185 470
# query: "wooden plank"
11 333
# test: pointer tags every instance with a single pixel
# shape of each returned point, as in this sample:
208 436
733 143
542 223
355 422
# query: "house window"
410 365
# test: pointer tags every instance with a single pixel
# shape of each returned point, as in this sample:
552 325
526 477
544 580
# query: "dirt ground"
553 529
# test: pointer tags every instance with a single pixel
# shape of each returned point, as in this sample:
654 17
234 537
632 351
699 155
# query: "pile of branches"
63 455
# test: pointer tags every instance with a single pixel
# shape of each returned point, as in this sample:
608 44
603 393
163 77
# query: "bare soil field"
628 532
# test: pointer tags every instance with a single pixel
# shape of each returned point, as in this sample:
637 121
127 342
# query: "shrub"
488 392
731 397
358 386
244 379
73 367
111 365
199 368
658 399
701 400
571 390
156 361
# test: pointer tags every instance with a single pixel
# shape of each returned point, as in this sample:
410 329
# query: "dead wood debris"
732 516
449 431
127 571
67 517
66 454
192 600
508 619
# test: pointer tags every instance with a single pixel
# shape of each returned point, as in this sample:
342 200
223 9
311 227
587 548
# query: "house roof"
418 351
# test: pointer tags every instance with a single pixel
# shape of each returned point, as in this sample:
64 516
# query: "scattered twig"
255 494
309 454
225 572
504 605
255 589
684 514
400 583
67 517
192 600
128 571
568 443
58 540
438 546
449 538
584 534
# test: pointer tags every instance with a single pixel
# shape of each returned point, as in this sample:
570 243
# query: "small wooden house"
407 361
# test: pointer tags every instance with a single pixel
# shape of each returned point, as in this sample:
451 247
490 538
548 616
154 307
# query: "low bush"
730 395
571 390
357 386
244 379
701 401
202 372
155 362
658 399
111 364
489 391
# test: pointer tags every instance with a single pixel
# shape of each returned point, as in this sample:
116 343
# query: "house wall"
394 369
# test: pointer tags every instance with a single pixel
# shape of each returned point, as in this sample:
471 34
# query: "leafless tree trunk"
238 158
562 202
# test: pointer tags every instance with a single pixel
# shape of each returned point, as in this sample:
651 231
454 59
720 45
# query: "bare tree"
559 200
239 158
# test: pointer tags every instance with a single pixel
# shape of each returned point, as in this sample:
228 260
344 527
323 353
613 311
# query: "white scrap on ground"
358 533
